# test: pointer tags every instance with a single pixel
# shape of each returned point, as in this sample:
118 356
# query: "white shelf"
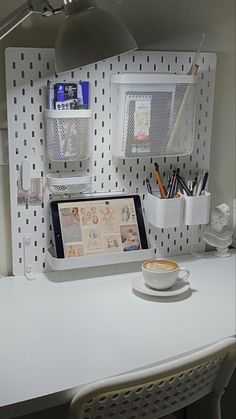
70 113
150 78
97 260
68 182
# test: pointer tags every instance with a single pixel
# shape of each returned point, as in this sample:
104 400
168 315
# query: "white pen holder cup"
197 209
163 213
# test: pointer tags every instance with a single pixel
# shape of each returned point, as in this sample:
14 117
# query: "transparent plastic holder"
68 134
163 213
152 114
197 209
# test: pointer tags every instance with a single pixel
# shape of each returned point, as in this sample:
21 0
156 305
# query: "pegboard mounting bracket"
27 241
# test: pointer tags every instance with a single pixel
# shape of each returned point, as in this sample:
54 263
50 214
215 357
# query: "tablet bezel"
58 241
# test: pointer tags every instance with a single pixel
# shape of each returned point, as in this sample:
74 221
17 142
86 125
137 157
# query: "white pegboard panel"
27 72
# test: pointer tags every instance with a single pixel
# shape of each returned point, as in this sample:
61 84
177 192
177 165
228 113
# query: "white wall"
161 25
36 31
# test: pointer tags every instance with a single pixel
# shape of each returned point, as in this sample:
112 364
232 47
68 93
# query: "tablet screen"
99 226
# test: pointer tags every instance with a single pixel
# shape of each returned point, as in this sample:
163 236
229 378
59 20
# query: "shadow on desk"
172 300
59 412
94 272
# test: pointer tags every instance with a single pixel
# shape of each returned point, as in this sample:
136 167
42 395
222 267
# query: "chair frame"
186 367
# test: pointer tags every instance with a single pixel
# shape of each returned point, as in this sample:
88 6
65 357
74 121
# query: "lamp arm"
32 6
14 19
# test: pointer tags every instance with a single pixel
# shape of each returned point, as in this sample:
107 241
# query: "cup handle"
186 276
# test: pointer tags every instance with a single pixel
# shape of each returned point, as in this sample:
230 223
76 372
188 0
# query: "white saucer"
141 286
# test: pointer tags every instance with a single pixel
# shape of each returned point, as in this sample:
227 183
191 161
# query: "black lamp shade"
90 36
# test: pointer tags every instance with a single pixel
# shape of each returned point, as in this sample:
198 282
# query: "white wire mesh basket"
68 134
152 114
68 183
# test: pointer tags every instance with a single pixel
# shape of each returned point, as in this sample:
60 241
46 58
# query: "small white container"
152 114
68 134
97 260
197 209
68 183
164 213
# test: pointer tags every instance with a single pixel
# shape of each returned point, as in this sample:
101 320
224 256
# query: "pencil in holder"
197 209
163 213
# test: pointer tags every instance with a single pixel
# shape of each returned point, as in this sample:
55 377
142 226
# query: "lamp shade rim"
91 36
61 70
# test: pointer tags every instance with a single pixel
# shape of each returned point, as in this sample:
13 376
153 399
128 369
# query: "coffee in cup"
161 274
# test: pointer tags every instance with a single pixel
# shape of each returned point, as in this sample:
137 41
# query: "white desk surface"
57 334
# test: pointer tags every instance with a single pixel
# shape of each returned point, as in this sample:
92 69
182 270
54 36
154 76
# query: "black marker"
149 188
172 185
184 186
202 184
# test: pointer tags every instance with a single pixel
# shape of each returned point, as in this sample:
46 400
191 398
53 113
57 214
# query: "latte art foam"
160 265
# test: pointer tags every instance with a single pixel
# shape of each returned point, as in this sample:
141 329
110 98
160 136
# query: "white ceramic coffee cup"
163 279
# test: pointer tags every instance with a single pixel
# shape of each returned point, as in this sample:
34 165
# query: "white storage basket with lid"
152 114
68 183
68 134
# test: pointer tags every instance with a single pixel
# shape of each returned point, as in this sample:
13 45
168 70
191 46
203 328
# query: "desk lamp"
87 35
